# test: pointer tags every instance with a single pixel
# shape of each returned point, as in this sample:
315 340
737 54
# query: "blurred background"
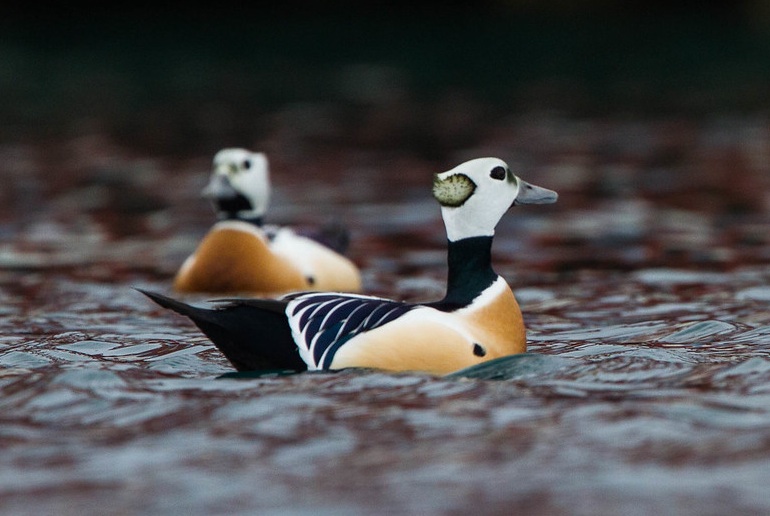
650 118
644 288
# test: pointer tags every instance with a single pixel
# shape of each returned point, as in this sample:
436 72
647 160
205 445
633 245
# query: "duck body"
241 255
478 319
330 331
418 338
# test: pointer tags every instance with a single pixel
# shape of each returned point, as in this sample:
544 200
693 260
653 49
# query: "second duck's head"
474 196
239 187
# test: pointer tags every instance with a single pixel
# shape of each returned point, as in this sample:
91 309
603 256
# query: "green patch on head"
454 190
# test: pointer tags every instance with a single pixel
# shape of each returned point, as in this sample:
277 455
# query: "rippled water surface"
646 388
641 393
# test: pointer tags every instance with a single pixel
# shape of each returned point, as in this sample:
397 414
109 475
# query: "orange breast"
230 260
499 325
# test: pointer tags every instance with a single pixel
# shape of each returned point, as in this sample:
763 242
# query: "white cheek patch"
454 190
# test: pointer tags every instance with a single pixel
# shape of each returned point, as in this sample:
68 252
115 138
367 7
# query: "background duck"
478 319
242 255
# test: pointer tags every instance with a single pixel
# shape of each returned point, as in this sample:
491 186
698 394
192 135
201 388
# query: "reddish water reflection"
645 289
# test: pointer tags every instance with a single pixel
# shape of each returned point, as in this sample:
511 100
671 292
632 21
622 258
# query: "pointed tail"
252 334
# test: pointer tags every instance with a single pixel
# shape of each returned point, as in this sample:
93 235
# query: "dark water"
646 291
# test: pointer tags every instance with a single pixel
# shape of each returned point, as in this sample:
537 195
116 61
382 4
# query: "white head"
239 184
474 196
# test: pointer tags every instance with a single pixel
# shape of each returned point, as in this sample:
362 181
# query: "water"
646 388
116 407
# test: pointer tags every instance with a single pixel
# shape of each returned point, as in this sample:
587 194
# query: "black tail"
252 334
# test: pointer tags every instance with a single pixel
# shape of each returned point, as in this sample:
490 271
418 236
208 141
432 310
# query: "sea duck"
478 320
241 255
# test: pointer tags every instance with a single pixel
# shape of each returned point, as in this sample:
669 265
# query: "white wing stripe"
335 309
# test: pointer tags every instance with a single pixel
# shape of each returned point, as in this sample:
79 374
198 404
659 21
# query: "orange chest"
229 260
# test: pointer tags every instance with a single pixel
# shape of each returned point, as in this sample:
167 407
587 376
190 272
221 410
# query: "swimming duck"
478 319
242 255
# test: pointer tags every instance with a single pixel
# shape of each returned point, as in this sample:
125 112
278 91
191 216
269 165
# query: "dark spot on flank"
310 280
478 349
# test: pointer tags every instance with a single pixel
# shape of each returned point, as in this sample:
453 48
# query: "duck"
477 320
242 255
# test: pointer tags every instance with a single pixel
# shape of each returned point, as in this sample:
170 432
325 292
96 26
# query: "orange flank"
238 258
439 342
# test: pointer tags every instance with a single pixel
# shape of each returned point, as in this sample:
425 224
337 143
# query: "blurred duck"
478 319
241 255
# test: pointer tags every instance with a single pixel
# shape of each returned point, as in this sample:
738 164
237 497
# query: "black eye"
246 164
478 349
498 173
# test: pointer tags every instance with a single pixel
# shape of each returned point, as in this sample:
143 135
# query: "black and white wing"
321 323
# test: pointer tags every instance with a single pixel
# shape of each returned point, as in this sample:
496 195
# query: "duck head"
239 187
474 196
